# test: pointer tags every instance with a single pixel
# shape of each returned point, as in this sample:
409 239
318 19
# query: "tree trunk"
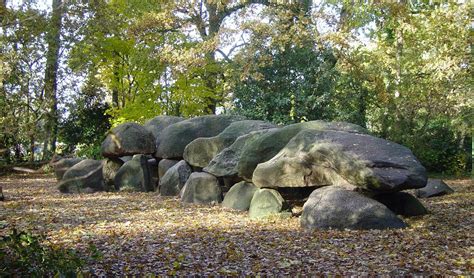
32 148
115 87
51 75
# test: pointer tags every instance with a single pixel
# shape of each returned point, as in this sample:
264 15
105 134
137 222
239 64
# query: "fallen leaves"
142 233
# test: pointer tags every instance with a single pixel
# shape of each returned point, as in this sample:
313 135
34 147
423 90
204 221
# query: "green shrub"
25 255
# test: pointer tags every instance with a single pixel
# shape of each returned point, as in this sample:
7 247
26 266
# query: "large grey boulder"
225 163
202 150
174 179
109 170
433 188
128 139
402 203
62 165
158 123
239 196
134 175
85 176
173 139
319 158
267 145
337 208
201 188
266 202
164 165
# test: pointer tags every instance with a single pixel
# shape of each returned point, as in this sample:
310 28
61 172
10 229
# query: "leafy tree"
297 85
85 127
415 75
22 97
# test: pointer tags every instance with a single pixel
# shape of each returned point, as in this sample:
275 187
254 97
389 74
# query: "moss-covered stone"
239 196
128 139
319 158
267 145
173 139
266 202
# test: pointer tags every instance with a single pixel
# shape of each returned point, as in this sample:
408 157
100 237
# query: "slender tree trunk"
115 87
32 147
51 75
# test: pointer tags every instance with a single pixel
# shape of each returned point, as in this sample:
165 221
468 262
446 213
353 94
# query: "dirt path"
141 233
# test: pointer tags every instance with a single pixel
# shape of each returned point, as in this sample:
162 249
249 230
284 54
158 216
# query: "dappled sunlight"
145 233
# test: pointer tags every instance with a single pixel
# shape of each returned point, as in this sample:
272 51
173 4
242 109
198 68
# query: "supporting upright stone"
134 175
266 202
174 179
201 188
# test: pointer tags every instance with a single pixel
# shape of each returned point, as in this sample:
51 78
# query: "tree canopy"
401 69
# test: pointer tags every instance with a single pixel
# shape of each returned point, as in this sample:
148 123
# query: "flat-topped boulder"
83 177
158 123
173 139
267 145
128 139
333 207
202 150
324 157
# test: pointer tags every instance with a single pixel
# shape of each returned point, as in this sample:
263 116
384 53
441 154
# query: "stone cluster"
343 177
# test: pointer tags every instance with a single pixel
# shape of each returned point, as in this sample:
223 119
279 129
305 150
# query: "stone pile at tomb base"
345 177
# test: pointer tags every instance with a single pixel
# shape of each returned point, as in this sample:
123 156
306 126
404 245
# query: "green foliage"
87 124
23 254
441 149
297 85
412 79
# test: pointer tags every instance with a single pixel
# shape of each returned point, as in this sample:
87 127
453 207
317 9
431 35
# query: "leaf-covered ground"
142 233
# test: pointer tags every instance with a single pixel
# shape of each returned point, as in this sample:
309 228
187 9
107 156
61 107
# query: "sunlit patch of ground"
139 233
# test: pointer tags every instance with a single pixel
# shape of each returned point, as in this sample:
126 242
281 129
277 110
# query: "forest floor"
142 233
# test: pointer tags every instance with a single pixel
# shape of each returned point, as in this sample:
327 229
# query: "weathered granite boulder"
201 188
266 202
128 139
62 165
134 175
433 188
158 123
164 165
402 203
174 179
85 176
337 208
239 196
173 139
202 150
267 145
109 170
225 163
319 158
